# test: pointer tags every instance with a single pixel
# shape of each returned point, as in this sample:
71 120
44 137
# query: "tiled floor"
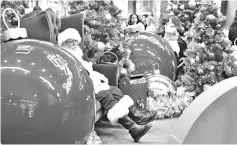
158 134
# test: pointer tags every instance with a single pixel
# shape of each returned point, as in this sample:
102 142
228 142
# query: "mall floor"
158 134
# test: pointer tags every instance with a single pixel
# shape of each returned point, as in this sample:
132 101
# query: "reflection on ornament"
152 40
58 61
29 106
46 81
16 68
23 49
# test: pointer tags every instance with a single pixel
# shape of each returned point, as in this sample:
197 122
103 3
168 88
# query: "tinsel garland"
93 139
172 105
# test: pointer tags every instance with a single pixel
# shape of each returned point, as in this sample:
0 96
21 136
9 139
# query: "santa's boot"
136 131
139 117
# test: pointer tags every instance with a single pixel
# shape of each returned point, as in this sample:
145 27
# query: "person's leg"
119 113
141 118
116 92
134 113
136 131
106 99
118 110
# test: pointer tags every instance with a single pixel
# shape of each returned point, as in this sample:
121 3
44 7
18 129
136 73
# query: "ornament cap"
156 71
14 33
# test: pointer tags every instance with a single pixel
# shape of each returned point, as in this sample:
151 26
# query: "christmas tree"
186 10
209 57
102 24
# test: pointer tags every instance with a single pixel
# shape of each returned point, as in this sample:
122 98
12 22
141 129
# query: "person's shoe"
136 131
141 118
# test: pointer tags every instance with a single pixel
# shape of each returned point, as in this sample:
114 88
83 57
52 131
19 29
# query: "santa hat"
69 33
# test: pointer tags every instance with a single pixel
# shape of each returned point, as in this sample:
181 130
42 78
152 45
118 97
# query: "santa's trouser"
109 98
118 106
119 114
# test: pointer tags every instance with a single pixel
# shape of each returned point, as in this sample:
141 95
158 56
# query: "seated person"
134 24
117 105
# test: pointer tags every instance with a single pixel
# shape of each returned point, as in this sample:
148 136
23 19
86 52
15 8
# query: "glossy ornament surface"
149 49
46 95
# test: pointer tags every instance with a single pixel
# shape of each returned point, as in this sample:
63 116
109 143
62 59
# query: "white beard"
76 53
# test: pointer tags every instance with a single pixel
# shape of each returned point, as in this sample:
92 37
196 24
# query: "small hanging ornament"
197 58
121 35
209 32
211 56
199 39
100 46
169 8
201 31
192 60
175 7
218 26
108 16
200 71
192 4
210 17
93 22
186 17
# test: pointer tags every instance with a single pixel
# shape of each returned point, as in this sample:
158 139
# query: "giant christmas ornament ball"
47 96
149 49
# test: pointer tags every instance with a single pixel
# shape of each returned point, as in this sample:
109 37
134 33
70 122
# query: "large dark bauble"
149 49
47 96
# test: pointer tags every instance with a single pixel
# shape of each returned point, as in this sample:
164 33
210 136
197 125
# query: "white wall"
122 4
231 8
